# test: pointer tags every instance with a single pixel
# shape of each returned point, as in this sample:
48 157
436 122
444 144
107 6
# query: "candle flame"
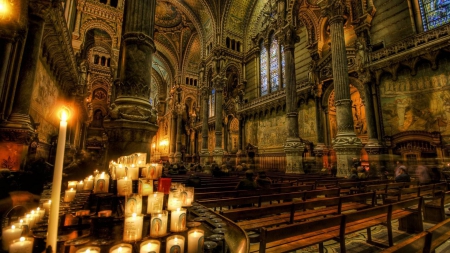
64 114
126 178
22 239
176 239
13 227
120 249
148 246
28 216
81 182
71 189
21 221
38 209
88 251
32 212
178 209
134 215
50 201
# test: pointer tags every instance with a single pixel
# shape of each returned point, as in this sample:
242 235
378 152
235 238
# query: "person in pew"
333 170
248 183
354 174
362 173
423 174
262 181
403 176
383 173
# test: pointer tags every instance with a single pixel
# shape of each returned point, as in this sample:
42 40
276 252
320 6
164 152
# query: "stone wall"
302 57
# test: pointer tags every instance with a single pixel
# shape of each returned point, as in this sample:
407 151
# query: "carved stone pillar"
240 153
373 147
173 137
204 153
77 23
294 146
179 111
320 149
218 152
132 120
346 144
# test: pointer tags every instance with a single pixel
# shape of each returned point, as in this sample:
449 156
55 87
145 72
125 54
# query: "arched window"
434 13
212 103
272 64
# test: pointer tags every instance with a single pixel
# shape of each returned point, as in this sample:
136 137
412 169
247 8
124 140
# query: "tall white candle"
133 172
124 187
158 224
89 249
9 234
155 202
70 195
121 248
52 233
178 220
132 230
133 204
195 241
150 246
175 243
88 183
22 245
80 186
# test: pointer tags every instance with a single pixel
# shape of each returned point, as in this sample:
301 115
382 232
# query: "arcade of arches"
285 85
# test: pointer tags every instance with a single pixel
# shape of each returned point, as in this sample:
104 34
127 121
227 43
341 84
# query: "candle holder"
175 243
124 187
10 234
150 246
121 248
209 246
145 187
132 230
174 201
89 249
158 224
195 240
178 220
155 202
133 204
22 245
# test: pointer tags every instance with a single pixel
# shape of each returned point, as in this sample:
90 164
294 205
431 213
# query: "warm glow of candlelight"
64 114
3 7
22 239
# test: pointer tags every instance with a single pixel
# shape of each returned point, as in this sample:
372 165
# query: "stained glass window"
212 103
274 66
434 13
283 63
264 58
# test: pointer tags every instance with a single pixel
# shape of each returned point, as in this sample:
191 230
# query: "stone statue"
113 112
83 72
362 54
313 78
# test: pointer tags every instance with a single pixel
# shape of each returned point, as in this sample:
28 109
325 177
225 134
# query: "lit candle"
88 183
30 220
21 224
159 170
132 230
70 195
178 220
22 245
133 172
89 249
158 224
72 184
52 233
80 186
40 213
121 248
47 205
9 234
133 204
145 187
120 171
174 201
101 183
124 187
175 243
187 196
150 246
195 241
155 202
152 172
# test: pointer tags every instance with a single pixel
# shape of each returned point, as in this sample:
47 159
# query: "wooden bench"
438 234
415 244
434 210
327 193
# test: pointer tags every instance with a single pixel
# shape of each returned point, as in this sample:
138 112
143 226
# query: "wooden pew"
327 193
231 202
438 234
301 235
415 244
434 210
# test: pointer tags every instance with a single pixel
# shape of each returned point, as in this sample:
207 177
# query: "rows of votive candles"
174 243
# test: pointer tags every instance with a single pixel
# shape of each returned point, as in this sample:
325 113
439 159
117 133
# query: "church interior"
263 108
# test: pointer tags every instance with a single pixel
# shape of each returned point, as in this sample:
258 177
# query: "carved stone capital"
40 8
347 144
206 91
335 10
139 38
19 129
288 37
132 87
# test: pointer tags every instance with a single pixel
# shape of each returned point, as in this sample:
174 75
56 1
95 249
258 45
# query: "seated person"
403 176
354 174
263 181
362 174
247 183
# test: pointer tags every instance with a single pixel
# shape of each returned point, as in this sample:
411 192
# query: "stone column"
294 146
346 144
320 148
240 153
179 110
204 153
218 149
77 23
173 136
132 121
6 56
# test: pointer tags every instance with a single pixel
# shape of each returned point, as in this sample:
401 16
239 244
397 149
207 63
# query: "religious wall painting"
417 103
45 92
272 131
11 156
307 122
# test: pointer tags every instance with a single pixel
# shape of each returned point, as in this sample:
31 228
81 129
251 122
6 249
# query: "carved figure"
114 112
362 55
313 78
